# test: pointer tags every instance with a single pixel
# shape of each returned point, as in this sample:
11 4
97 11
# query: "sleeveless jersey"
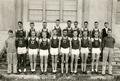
65 43
45 30
69 32
58 31
85 30
20 33
29 33
33 43
44 45
75 43
96 43
84 42
55 43
21 42
93 32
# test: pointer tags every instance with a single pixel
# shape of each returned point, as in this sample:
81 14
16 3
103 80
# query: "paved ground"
56 77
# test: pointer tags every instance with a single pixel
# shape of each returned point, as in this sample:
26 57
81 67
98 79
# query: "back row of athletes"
67 43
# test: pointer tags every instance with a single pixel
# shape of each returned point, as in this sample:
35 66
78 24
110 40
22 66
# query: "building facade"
38 11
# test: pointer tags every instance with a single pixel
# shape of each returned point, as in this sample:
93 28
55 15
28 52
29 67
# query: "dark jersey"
21 42
32 43
44 45
58 31
65 43
93 32
54 42
96 43
84 42
20 33
75 43
29 33
85 29
44 30
69 32
77 29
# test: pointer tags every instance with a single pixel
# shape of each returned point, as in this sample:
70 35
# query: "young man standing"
57 28
76 28
95 29
10 46
64 45
21 44
44 29
108 51
32 25
69 29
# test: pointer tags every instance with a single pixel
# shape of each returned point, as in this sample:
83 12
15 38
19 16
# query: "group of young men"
69 42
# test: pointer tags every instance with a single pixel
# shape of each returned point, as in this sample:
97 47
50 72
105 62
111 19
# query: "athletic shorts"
96 50
21 50
75 52
32 51
43 52
84 50
65 50
54 51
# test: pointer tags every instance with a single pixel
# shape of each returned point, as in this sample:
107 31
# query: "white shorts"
96 50
32 51
65 50
43 52
75 52
21 50
84 50
54 51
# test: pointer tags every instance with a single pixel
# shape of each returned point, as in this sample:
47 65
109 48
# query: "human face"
10 34
75 24
44 34
96 25
109 33
33 34
20 25
65 33
96 34
75 33
54 32
86 24
32 25
57 23
44 25
69 24
106 25
85 33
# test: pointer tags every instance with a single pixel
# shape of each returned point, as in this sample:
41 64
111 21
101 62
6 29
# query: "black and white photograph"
59 40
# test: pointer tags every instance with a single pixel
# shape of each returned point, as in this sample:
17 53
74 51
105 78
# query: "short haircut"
20 22
76 22
44 22
31 22
64 30
96 22
58 20
106 23
69 21
85 22
10 31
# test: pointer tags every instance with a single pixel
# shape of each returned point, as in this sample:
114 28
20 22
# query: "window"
118 13
35 10
70 10
50 10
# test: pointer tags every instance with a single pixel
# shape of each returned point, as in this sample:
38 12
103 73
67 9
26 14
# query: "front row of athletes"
64 46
